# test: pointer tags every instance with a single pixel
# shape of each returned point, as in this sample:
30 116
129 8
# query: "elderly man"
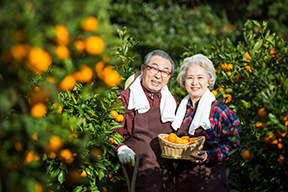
149 111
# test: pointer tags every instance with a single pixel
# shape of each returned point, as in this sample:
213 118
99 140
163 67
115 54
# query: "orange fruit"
246 155
38 96
58 107
99 68
248 68
272 139
66 154
228 98
96 153
179 141
38 187
114 113
192 139
68 83
214 92
38 59
83 174
94 45
29 157
35 137
84 75
38 110
90 24
185 141
229 73
119 118
282 133
172 137
110 141
165 138
272 52
55 143
230 66
104 189
52 155
62 52
18 146
62 35
280 159
220 90
112 79
247 55
223 66
185 137
20 51
80 45
262 113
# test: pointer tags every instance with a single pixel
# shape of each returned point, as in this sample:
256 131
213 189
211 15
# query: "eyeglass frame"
158 70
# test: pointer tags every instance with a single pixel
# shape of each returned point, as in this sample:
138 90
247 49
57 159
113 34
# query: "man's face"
155 82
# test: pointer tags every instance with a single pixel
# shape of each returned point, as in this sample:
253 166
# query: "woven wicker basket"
179 151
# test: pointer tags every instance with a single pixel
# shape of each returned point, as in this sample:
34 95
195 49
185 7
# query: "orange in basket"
180 148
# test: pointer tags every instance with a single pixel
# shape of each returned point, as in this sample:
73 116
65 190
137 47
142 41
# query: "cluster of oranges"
116 116
227 97
107 74
272 139
173 138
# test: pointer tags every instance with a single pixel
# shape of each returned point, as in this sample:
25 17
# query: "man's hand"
126 155
200 157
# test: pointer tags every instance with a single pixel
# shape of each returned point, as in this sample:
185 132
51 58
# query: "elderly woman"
199 114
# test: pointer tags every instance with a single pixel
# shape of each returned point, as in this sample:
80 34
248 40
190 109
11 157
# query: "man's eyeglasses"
155 70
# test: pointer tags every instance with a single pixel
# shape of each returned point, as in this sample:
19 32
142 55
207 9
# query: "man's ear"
142 69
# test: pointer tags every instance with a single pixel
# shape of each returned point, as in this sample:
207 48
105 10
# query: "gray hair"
202 61
161 54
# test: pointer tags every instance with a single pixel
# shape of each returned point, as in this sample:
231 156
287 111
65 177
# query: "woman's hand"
199 157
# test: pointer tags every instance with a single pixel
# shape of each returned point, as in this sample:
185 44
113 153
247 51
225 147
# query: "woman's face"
196 82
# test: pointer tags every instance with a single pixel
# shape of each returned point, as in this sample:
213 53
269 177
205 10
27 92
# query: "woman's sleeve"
224 136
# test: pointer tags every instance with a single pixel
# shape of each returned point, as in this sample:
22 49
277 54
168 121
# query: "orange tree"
252 81
58 85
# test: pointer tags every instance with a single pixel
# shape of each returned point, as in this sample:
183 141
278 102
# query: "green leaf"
55 172
78 189
61 176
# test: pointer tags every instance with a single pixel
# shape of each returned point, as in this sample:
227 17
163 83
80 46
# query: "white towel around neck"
139 101
202 114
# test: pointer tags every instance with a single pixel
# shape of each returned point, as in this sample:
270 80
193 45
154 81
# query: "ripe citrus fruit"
20 51
248 68
94 45
114 114
84 75
262 113
66 154
192 139
119 118
62 35
223 66
230 66
55 143
62 52
38 110
172 137
98 69
52 155
90 24
247 55
96 153
112 79
80 45
38 59
214 92
228 98
246 155
68 83
272 52
58 107
83 174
